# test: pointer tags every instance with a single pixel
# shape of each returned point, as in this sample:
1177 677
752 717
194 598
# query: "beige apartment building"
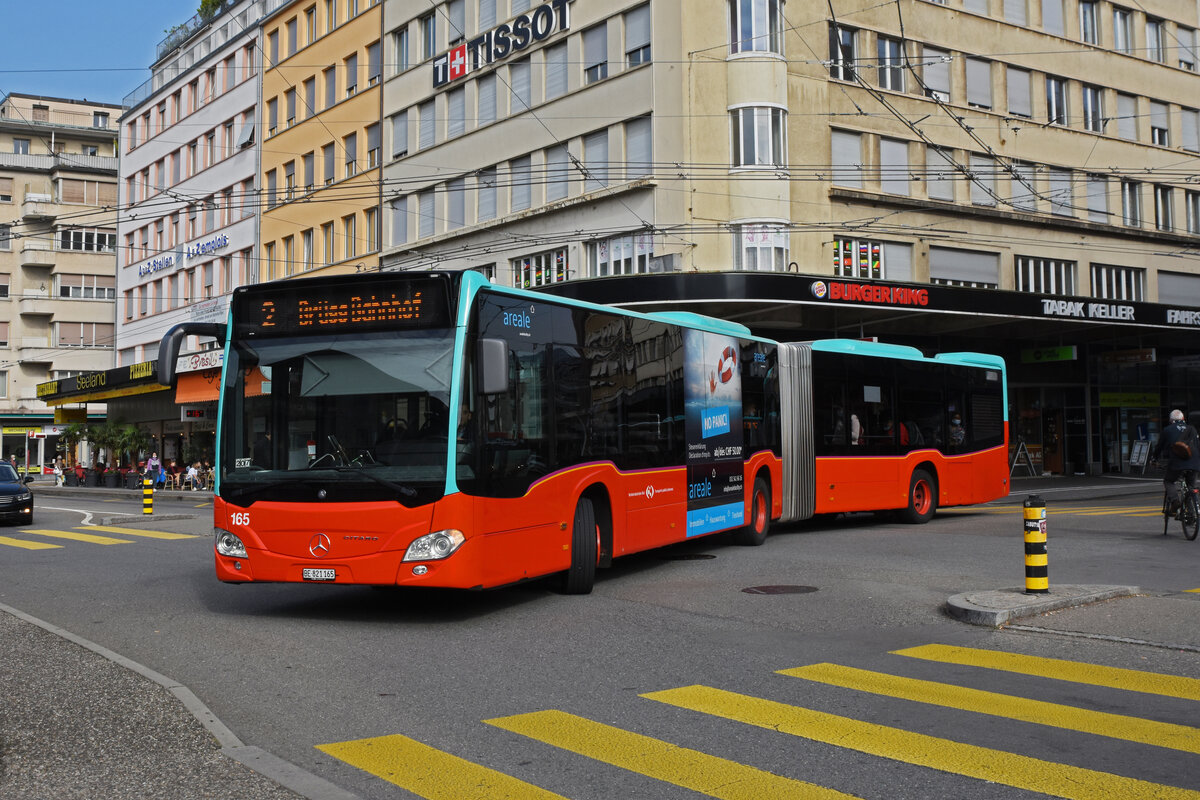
58 215
1014 176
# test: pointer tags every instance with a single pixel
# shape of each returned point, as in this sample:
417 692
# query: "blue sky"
83 49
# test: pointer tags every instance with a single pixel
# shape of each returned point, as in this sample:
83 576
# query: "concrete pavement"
80 721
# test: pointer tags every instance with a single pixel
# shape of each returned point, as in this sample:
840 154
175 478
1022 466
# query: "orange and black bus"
434 429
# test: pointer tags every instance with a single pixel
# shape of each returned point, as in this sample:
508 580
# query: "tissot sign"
502 41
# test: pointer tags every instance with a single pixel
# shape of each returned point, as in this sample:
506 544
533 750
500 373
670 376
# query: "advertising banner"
713 397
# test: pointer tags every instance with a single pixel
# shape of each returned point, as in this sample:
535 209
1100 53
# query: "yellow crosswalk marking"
27 545
1116 726
145 534
79 537
1192 590
1009 769
700 772
431 773
1074 671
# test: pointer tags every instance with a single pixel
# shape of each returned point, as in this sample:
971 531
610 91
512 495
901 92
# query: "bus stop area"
157 728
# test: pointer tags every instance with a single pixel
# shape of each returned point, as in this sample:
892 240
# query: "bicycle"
1188 512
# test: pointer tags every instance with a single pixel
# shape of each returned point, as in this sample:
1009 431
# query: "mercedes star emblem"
318 546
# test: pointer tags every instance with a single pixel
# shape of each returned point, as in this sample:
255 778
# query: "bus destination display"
338 308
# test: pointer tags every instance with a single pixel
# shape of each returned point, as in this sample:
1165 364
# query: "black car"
16 500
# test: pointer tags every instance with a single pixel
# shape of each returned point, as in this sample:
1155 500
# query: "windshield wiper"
407 491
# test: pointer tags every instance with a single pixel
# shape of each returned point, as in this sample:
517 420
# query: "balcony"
38 208
41 306
35 350
38 253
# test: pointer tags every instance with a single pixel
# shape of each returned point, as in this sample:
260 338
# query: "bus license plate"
320 575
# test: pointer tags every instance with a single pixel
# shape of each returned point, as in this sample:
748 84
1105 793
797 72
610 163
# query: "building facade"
189 228
1040 147
321 156
58 199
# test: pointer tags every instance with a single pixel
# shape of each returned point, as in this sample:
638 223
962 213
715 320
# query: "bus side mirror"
493 366
168 349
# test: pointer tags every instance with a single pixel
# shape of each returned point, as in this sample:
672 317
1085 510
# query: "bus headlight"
229 545
434 546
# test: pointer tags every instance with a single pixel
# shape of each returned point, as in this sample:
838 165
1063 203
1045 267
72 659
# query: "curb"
996 607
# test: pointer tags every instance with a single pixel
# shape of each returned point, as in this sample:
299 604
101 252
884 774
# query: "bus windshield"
338 418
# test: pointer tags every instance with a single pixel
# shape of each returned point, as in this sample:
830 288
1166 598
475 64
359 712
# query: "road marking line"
26 545
431 773
1115 726
79 537
691 769
1192 590
1125 511
139 532
1060 669
997 766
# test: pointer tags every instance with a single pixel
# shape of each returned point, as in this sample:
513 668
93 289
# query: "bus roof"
882 349
691 320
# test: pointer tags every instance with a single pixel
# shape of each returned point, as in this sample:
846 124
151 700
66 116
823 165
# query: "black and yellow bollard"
147 495
1037 579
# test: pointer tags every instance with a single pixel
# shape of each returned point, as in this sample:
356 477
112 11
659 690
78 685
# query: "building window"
621 255
1162 208
760 247
86 334
400 50
859 258
456 15
639 148
20 146
1156 40
1111 282
1044 275
519 82
86 287
350 144
306 249
1191 209
425 214
540 269
371 222
329 156
351 64
637 36
1160 130
1015 12
1122 30
328 242
558 172
755 25
1056 101
1022 186
595 53
427 134
99 119
1131 203
373 145
842 53
399 220
1127 117
330 76
1087 22
428 25
88 240
983 180
1062 200
1097 198
1052 17
759 137
350 236
1189 123
456 203
400 134
935 73
485 87
1093 108
556 71
891 63
5 237
1187 47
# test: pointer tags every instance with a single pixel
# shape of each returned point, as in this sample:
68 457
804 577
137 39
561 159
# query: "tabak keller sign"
995 302
502 41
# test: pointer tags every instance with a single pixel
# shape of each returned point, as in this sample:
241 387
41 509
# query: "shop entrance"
1052 421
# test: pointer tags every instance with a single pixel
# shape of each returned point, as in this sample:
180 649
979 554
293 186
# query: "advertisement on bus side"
713 419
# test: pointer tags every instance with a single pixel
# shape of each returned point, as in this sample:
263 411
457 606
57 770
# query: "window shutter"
400 134
963 265
1097 198
487 193
456 112
428 125
897 261
558 172
1061 199
940 174
893 163
937 70
1158 115
487 14
1018 92
1182 288
983 180
637 28
976 6
979 82
73 191
518 76
595 155
487 98
1127 116
556 70
846 152
399 220
1052 17
1023 188
638 147
1014 12
1190 123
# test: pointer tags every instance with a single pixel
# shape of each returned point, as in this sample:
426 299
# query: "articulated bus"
434 429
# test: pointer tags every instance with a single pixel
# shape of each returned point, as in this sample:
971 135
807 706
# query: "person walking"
1179 444
153 468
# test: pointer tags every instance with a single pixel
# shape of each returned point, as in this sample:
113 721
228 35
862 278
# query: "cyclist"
1178 432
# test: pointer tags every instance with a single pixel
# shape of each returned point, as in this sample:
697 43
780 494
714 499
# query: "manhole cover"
687 557
785 589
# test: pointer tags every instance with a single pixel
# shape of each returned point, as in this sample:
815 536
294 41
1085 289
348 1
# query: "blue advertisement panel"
713 419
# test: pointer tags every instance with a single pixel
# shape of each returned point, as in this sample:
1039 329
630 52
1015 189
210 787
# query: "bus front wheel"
759 524
922 498
585 535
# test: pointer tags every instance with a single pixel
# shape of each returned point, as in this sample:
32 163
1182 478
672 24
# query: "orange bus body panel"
507 539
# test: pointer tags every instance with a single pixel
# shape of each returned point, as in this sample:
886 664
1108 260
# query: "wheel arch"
602 508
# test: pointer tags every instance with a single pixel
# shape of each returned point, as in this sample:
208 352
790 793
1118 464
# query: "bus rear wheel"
585 546
759 524
922 498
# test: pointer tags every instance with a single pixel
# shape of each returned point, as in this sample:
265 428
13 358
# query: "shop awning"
198 387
